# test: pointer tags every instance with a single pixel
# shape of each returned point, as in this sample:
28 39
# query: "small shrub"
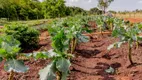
28 36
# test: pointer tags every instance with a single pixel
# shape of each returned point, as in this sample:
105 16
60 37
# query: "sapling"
59 67
75 36
62 37
129 35
9 50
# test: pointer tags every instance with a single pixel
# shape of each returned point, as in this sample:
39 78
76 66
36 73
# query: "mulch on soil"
90 62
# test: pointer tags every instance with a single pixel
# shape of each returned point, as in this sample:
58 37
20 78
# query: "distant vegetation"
34 9
128 14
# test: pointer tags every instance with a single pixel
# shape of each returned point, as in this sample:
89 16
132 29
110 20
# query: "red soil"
1 26
134 20
90 62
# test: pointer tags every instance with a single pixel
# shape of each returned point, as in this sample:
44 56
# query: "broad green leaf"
48 73
15 65
63 64
10 40
6 46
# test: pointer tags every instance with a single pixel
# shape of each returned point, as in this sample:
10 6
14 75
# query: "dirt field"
133 20
1 26
90 62
128 15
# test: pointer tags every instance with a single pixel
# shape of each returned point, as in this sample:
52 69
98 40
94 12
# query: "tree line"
34 9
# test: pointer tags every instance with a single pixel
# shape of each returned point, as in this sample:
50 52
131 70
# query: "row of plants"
127 34
10 53
65 34
9 50
14 39
27 36
64 40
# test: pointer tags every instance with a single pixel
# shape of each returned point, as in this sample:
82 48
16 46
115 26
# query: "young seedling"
9 50
63 36
129 35
59 67
75 35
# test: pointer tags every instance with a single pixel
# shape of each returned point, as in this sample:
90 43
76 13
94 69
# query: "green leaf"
9 47
2 52
82 38
64 75
48 73
15 65
6 46
63 64
52 54
1 59
41 55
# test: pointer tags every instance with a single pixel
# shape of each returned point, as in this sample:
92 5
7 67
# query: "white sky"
117 5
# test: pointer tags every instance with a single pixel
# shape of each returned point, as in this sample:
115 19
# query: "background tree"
95 11
53 8
34 9
104 4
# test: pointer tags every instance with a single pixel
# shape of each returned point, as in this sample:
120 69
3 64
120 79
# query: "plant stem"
137 44
11 76
101 31
111 26
75 41
59 74
130 53
73 45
